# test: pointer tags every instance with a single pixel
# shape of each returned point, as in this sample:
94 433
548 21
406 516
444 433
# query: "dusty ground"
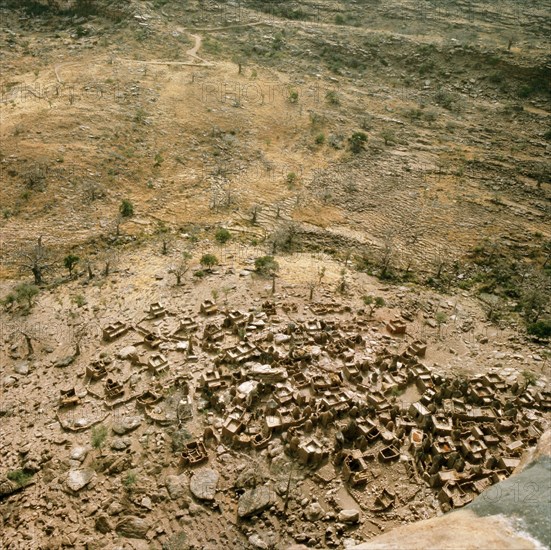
201 116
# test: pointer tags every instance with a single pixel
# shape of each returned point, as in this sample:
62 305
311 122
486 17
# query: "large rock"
21 368
176 486
129 352
313 512
203 484
253 501
349 516
132 527
77 479
127 424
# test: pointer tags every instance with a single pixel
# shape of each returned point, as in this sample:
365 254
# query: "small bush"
79 300
25 292
357 142
540 329
332 98
20 477
130 480
126 209
199 274
320 139
99 433
69 262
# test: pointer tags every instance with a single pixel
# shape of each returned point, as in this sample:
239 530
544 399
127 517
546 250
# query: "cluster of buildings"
332 394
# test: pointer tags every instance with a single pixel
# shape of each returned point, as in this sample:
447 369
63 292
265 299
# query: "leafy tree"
208 261
126 209
266 265
222 235
69 262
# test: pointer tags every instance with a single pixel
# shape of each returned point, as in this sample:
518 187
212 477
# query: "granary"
396 326
96 370
194 453
113 388
419 413
311 452
156 310
68 397
157 364
355 469
115 330
208 307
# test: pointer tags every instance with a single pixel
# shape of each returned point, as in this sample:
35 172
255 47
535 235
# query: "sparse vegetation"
208 261
19 477
222 235
126 209
99 434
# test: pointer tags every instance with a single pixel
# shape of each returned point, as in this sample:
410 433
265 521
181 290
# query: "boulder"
175 485
254 501
132 527
313 512
77 479
203 484
126 425
349 516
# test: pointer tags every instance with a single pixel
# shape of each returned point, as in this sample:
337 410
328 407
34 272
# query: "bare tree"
387 254
36 259
181 267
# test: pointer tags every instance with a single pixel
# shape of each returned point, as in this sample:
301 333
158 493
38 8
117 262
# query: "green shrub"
209 261
266 265
20 477
357 141
126 208
99 433
320 139
69 262
540 329
222 235
25 292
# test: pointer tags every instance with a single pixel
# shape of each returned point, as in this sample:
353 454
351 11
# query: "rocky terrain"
272 274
